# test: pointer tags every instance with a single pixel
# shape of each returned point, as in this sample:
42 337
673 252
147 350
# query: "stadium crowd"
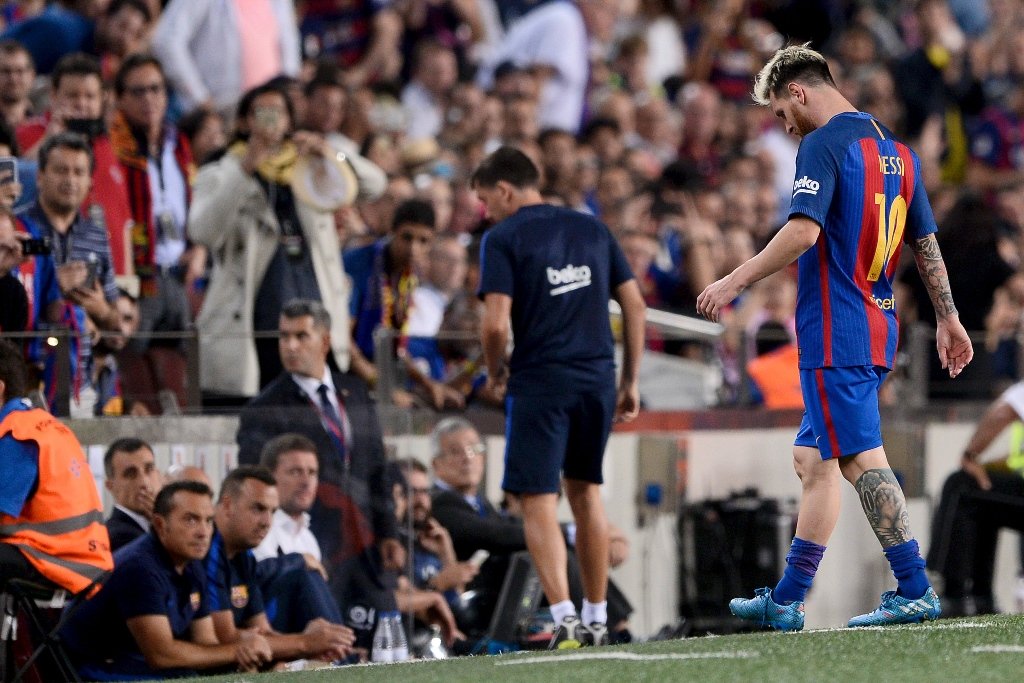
169 170
200 115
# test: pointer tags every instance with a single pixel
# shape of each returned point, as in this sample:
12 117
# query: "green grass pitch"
975 650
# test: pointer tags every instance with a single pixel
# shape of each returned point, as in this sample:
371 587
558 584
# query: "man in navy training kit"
551 271
857 189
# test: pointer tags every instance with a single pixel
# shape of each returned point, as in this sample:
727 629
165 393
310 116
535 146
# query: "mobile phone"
36 246
479 557
8 170
92 269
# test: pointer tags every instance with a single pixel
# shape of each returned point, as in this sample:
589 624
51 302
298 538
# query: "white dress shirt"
288 535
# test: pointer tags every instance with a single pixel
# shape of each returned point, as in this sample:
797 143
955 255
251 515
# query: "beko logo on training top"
807 185
568 278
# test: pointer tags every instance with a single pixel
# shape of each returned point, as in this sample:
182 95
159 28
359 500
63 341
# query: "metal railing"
916 384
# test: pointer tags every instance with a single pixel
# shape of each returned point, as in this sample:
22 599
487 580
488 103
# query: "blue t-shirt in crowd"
144 583
560 267
864 188
232 582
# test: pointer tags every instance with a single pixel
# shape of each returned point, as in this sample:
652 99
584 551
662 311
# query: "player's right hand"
716 296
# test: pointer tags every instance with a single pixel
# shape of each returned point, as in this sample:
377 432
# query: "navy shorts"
548 435
841 410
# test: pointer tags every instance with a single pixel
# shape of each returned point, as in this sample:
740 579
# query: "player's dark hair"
232 484
507 164
164 503
128 444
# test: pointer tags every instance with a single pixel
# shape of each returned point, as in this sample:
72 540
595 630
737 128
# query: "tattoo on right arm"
933 273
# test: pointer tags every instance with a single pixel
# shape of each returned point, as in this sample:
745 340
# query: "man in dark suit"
353 516
133 480
475 524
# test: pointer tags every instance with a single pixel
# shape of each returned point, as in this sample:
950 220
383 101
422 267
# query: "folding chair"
34 599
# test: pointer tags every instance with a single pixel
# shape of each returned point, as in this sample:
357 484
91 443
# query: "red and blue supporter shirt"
864 188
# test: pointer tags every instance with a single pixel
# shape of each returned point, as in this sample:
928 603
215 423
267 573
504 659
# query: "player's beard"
802 123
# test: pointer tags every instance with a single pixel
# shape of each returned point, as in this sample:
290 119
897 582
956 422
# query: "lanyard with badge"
167 227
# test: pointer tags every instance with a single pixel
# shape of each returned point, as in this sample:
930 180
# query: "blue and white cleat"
764 611
897 610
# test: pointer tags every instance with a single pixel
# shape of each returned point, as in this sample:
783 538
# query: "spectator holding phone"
81 253
76 105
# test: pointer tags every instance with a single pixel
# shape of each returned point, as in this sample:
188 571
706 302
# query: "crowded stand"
265 209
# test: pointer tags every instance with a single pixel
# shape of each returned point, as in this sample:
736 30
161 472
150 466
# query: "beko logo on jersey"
807 185
568 278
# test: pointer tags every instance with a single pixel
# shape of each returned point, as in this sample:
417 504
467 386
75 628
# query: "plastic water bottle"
383 640
400 645
435 646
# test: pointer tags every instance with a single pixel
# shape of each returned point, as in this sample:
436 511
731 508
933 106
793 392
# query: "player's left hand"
953 344
627 403
716 296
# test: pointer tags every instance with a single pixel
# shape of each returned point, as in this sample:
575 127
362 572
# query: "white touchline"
898 627
998 648
629 657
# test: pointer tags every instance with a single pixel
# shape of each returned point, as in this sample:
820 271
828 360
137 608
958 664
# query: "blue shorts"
551 434
841 410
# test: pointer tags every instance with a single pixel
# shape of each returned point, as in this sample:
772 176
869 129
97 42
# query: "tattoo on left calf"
885 506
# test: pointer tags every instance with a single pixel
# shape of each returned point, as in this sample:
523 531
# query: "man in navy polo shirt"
551 271
248 499
151 619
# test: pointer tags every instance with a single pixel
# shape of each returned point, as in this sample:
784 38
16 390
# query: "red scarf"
136 168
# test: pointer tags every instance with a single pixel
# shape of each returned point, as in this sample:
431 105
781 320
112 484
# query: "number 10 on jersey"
890 232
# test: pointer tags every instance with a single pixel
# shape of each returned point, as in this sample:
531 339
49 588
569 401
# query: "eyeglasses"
143 90
470 451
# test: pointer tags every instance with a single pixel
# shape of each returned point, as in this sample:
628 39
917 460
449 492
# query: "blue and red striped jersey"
864 188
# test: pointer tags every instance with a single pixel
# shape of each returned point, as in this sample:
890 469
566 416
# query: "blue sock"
801 565
908 566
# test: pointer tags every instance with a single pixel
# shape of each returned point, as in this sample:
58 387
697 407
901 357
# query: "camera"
36 246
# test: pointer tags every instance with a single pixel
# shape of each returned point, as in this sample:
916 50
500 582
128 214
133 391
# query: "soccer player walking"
551 271
858 192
